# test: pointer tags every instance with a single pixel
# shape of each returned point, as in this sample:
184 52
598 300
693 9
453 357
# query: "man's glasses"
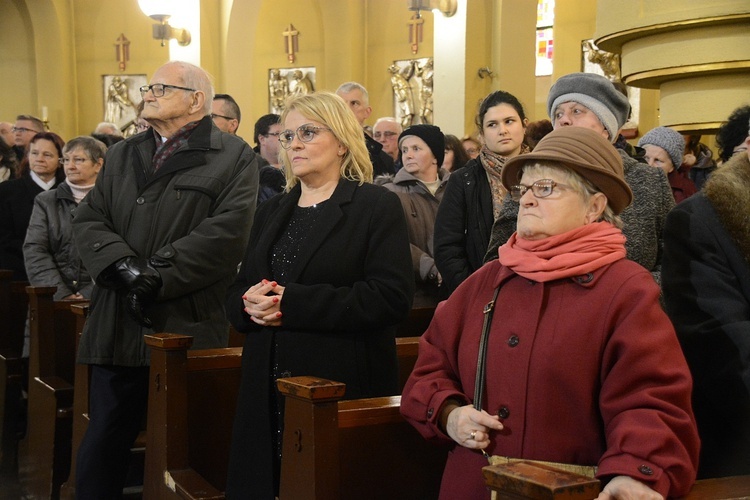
75 161
384 135
214 115
23 129
540 189
275 134
306 133
158 89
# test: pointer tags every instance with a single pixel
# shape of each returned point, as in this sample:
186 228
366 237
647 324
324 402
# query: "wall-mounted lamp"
446 7
161 11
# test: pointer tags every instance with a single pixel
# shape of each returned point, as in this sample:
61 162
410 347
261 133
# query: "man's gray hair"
349 86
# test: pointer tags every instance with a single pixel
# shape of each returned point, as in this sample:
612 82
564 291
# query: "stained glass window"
545 17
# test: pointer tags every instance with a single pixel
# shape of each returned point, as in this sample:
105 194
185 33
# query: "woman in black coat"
325 279
17 198
474 196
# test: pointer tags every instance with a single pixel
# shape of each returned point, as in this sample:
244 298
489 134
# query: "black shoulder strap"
482 358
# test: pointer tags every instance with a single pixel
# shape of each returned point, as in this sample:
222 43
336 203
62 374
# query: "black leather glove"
139 278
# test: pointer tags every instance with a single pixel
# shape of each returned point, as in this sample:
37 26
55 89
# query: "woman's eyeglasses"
540 189
305 133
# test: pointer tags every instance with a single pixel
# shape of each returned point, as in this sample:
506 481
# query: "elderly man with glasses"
161 232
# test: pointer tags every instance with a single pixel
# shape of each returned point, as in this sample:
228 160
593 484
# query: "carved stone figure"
402 91
425 72
118 101
278 88
300 84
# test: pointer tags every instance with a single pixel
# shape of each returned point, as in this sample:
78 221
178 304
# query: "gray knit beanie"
597 94
669 140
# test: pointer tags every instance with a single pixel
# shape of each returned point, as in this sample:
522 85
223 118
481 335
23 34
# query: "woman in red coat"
582 366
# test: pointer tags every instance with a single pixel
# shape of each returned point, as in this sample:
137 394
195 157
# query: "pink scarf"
575 253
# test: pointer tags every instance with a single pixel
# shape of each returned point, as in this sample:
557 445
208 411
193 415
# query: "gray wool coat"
50 255
195 213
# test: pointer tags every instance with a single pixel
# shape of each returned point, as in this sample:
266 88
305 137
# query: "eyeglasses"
387 134
157 89
275 134
23 129
540 189
214 115
306 133
75 161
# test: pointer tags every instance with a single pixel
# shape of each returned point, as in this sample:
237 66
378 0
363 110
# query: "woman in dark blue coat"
326 278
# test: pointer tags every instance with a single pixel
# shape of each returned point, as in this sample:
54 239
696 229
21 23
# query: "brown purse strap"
482 358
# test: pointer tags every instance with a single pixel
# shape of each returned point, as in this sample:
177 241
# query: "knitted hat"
583 151
596 93
669 140
431 135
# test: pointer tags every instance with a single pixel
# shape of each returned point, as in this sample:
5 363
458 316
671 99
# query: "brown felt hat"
584 151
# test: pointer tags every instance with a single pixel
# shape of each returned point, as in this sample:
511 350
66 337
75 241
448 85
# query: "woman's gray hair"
94 148
578 183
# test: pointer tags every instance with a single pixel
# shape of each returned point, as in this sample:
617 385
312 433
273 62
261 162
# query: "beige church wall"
17 63
97 27
387 40
40 73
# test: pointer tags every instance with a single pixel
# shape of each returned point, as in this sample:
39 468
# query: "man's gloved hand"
139 278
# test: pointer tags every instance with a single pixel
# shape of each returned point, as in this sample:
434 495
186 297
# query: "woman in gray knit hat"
665 148
591 101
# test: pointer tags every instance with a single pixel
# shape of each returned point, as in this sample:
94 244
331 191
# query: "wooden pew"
13 309
522 479
44 453
80 417
407 349
191 404
360 448
203 387
417 322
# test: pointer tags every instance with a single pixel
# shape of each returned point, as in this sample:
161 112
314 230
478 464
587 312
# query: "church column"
696 52
494 35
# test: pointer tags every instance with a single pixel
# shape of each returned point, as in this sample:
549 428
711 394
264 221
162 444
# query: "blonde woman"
307 310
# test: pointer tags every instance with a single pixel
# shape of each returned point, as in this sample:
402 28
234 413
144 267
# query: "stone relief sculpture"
425 73
402 91
121 95
278 89
118 101
285 83
412 84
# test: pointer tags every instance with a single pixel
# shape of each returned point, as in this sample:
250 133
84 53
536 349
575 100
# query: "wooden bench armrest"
55 384
311 388
188 484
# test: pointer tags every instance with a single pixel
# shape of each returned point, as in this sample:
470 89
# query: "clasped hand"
262 303
471 428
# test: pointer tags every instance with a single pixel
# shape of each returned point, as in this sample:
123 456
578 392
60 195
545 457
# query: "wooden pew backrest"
359 448
192 398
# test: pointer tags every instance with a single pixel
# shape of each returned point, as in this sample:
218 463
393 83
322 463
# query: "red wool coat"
585 371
